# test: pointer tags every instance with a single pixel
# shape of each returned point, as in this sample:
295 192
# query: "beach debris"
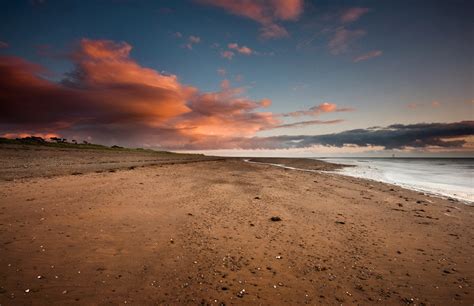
65 291
340 222
275 219
279 257
27 291
40 277
241 293
171 240
257 198
190 214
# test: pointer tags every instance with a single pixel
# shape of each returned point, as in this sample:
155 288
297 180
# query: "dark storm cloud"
397 136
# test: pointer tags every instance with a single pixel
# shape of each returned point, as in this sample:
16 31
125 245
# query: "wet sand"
201 233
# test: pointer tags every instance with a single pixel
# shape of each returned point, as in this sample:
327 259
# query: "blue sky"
392 62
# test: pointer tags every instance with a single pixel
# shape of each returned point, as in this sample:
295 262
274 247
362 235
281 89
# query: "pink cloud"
221 72
192 40
367 56
265 12
227 54
3 45
435 104
342 40
353 14
317 110
242 49
308 123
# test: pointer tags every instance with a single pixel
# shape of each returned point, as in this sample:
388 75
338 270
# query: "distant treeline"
63 143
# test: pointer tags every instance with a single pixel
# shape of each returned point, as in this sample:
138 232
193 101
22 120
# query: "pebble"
241 293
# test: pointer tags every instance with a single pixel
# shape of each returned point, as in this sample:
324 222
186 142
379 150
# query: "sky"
241 77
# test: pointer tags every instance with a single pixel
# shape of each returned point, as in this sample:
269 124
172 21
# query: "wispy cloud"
227 54
353 14
241 49
192 40
342 39
307 123
318 109
266 12
367 56
3 45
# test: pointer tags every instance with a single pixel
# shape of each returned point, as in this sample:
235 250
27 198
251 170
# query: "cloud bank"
109 98
397 136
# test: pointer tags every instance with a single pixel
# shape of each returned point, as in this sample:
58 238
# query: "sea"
445 177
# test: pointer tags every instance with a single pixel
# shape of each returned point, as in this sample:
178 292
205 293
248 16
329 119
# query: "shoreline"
338 171
231 232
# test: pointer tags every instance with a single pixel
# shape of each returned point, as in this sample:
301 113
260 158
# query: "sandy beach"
87 228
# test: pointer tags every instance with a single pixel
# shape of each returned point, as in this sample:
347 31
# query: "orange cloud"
225 114
265 102
106 91
265 12
318 109
109 98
